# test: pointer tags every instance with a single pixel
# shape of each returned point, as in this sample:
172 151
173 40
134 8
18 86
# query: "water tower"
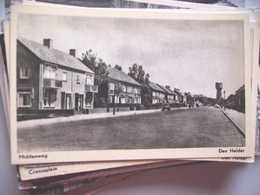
219 87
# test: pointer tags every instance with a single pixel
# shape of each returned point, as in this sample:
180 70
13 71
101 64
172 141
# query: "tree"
140 74
147 78
97 65
137 72
168 87
118 67
89 59
133 71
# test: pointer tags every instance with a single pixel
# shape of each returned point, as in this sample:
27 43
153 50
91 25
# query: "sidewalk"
37 122
237 118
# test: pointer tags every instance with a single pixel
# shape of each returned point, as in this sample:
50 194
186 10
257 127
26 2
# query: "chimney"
48 43
72 52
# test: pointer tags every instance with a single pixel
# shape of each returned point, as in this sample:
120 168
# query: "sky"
190 55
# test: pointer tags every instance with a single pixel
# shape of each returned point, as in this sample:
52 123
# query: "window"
89 80
78 79
24 72
49 72
49 97
111 88
64 76
116 99
89 98
137 100
123 100
128 89
123 88
24 99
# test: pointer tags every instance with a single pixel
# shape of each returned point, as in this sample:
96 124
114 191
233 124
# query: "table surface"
205 178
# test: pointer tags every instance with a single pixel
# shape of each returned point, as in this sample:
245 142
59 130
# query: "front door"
76 102
68 101
63 105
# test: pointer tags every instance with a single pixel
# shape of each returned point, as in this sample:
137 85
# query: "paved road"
198 127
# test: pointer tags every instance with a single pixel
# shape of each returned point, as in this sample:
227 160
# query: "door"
63 105
68 101
76 102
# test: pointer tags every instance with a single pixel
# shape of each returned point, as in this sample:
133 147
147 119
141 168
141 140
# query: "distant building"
219 87
49 80
121 90
237 101
157 94
169 94
179 98
189 100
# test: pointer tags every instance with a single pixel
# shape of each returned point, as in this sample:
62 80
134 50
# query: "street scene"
95 91
136 131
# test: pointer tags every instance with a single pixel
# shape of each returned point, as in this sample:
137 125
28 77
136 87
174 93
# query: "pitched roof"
168 91
155 87
178 92
53 55
118 75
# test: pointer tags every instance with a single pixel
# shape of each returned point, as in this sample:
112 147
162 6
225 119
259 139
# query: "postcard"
32 172
105 84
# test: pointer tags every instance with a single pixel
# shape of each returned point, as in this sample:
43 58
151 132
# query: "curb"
234 123
37 122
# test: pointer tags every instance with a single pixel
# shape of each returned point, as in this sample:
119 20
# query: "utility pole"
114 107
224 103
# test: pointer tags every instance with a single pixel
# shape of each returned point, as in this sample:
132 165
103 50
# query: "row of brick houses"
50 81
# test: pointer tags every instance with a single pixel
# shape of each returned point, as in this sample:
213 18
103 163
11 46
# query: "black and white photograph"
258 105
128 85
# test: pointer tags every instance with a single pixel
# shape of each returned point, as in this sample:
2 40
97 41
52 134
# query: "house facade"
121 90
179 97
237 101
158 95
49 80
169 94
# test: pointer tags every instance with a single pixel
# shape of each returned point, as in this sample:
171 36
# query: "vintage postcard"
255 23
31 172
216 5
105 84
257 59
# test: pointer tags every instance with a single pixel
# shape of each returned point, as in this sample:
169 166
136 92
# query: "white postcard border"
139 154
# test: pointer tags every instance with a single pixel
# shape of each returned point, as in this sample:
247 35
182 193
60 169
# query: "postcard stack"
96 91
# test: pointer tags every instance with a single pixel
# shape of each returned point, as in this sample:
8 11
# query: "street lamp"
224 103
